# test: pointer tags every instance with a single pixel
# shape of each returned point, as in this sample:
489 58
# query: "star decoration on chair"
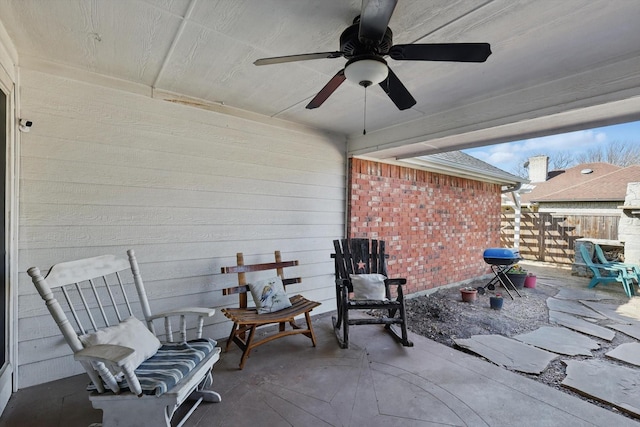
361 265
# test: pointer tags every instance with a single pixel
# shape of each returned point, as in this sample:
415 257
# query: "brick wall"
436 226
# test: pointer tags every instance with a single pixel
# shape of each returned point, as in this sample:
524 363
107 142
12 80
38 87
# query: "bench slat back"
241 269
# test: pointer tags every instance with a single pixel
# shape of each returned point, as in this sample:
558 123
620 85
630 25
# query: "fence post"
541 236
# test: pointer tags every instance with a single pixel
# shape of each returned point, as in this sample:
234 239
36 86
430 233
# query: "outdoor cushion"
368 286
269 295
172 362
130 333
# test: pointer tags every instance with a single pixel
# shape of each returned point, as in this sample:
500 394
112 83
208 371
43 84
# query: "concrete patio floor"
375 382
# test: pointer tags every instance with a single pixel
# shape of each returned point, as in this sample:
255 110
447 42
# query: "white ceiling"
556 65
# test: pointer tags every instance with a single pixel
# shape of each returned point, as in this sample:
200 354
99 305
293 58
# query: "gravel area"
443 316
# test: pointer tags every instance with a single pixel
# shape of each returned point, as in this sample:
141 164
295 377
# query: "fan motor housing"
350 44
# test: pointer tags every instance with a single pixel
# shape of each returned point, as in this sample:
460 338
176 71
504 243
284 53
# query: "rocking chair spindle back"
88 300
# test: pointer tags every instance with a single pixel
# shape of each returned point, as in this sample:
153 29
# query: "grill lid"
501 255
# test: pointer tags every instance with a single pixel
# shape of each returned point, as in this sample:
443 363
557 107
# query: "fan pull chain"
364 120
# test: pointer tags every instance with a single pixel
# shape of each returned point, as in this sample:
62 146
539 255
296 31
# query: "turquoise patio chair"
606 274
632 269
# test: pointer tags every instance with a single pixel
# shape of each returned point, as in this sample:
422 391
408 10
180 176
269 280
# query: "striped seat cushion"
171 363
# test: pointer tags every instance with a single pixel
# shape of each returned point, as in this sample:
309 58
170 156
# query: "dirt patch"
442 316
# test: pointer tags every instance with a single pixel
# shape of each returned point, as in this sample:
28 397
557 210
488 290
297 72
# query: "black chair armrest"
396 281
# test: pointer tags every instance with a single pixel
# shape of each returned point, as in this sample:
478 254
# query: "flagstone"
559 340
627 312
628 352
578 294
577 324
615 385
508 353
632 329
572 307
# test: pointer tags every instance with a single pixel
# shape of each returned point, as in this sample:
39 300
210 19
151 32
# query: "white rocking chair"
122 358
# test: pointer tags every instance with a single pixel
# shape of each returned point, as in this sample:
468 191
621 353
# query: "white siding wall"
104 170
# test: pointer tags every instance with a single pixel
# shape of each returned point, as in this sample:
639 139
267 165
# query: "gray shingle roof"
462 161
606 182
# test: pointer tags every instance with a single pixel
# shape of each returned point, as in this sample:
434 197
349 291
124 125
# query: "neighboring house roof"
461 164
605 182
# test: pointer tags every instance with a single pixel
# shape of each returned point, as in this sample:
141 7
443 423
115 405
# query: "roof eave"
452 168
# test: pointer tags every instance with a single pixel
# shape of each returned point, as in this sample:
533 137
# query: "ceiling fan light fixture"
366 72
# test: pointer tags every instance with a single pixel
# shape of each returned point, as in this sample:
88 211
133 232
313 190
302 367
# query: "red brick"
436 226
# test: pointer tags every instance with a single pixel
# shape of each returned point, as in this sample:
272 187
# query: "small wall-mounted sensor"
25 125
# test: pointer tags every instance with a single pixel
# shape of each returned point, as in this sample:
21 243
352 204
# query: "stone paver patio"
580 313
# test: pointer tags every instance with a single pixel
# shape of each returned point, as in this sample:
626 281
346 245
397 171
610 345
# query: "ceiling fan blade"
397 91
456 52
374 19
293 58
327 90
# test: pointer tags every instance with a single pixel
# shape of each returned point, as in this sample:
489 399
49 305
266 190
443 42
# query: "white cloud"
549 144
508 155
499 157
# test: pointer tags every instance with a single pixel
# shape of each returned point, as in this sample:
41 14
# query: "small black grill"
500 260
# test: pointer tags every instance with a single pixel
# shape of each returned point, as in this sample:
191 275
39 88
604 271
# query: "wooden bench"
247 319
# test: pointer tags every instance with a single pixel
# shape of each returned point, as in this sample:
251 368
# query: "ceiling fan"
365 44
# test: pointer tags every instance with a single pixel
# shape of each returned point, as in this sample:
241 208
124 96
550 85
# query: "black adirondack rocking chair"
364 256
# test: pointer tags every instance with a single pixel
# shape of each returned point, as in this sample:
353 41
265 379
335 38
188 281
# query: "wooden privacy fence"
550 237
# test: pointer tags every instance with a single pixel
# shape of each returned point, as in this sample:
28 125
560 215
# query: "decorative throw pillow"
368 286
130 333
269 295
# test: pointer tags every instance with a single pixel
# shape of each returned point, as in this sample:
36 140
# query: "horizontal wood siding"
104 170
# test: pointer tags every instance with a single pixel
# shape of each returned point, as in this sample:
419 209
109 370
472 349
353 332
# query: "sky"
508 156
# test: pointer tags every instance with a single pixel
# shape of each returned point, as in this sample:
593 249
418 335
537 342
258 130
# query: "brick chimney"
538 168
